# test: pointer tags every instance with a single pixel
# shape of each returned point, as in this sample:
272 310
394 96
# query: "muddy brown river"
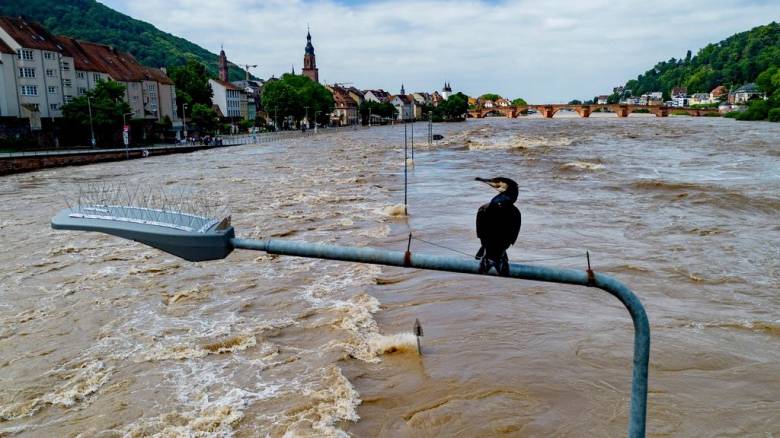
101 337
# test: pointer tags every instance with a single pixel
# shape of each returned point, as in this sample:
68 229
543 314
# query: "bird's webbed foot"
484 265
502 267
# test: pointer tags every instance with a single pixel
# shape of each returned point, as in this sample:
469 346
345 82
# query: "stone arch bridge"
621 110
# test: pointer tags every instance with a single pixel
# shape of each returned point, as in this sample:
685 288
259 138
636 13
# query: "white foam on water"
394 343
192 350
396 210
79 384
582 166
201 416
334 399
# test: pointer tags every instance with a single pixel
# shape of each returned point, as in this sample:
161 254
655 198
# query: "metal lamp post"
91 128
184 118
197 238
126 133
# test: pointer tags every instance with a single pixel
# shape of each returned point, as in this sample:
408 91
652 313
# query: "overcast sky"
541 50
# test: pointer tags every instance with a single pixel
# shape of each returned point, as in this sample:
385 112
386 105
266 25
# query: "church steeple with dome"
310 60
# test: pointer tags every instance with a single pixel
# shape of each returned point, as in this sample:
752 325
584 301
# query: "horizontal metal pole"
638 413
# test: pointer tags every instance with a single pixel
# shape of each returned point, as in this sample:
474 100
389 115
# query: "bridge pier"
547 111
661 112
583 111
622 111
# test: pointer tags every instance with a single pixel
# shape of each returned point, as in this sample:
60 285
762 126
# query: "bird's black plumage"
498 224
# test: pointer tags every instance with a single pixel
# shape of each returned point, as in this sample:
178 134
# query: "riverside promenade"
18 162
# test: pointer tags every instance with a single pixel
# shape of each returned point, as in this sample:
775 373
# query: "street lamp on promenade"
126 133
184 118
91 128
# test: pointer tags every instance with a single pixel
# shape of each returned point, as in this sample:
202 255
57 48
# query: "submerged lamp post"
196 236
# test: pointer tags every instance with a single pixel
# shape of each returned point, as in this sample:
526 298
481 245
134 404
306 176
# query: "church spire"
403 92
310 60
223 65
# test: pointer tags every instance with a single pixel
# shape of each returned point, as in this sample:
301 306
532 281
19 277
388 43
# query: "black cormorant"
498 224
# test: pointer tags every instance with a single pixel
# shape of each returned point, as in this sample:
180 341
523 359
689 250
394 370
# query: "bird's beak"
487 181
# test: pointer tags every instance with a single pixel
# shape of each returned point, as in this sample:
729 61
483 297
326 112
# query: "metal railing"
227 140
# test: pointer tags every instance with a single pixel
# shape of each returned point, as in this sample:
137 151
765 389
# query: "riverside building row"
41 72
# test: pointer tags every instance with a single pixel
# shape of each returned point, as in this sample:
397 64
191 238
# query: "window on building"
80 75
35 107
49 73
54 107
68 98
65 65
24 54
81 91
29 90
26 72
96 77
67 83
52 89
48 55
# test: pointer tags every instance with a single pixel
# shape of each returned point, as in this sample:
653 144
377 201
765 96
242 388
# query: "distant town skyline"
550 51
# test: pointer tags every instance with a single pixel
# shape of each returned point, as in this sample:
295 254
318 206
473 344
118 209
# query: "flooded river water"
105 337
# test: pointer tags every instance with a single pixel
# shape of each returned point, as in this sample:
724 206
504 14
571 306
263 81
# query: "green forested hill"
93 21
739 59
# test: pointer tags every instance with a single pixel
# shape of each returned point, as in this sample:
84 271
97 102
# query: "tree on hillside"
490 96
90 20
107 106
737 60
292 94
519 102
575 102
192 84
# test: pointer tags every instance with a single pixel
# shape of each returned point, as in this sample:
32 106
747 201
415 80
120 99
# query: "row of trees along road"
296 97
102 110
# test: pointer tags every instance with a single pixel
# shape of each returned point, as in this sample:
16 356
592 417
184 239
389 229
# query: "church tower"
310 61
223 66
